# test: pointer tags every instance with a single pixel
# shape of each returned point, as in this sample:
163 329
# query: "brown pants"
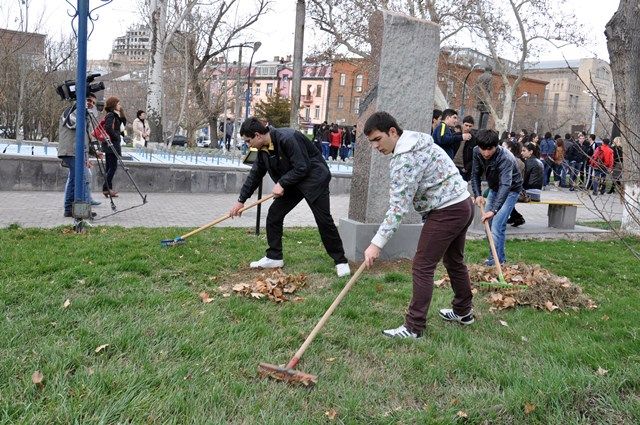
443 237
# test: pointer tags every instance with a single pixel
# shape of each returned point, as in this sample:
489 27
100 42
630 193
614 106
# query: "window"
308 90
316 113
556 99
257 89
356 105
343 79
307 113
535 99
570 100
318 90
266 71
340 102
575 101
269 89
359 82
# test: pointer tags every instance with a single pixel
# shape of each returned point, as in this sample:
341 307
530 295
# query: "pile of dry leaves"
276 286
533 286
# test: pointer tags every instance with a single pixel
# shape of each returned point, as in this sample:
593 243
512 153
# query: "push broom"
180 240
288 373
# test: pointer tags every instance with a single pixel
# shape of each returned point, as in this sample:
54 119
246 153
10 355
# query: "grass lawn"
173 359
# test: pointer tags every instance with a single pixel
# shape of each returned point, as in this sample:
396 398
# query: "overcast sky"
274 29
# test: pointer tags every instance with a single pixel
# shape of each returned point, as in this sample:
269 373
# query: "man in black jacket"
505 184
445 137
297 168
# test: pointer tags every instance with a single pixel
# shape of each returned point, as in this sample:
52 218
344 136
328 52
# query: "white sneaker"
343 269
401 332
266 263
448 315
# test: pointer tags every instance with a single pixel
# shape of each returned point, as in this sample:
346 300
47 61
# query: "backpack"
99 131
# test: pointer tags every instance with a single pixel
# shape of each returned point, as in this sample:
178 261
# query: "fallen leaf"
439 283
66 304
550 306
205 297
455 401
462 414
226 295
524 339
379 288
297 299
605 317
331 359
331 414
257 295
503 323
37 379
101 347
601 371
528 408
90 371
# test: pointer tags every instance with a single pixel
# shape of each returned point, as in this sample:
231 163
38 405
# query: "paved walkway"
44 210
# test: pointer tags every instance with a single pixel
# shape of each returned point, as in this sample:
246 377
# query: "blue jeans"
69 188
499 223
325 150
574 171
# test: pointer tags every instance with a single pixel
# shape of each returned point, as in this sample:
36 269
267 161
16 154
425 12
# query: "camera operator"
114 120
67 152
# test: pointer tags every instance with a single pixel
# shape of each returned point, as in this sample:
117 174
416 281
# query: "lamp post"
513 111
464 88
594 111
256 46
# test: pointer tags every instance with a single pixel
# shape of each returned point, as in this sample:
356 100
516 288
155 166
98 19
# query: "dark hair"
606 141
557 136
458 128
512 134
437 113
251 126
592 137
533 148
524 131
93 95
567 136
447 113
505 135
547 135
140 112
468 120
516 148
487 139
381 121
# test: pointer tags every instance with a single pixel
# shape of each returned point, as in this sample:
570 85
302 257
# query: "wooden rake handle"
296 357
226 216
487 230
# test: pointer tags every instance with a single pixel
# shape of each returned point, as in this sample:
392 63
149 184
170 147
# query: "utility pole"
298 46
236 113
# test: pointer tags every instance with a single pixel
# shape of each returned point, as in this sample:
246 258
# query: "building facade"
133 46
349 84
569 106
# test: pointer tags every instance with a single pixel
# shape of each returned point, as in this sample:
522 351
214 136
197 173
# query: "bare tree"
297 65
163 26
217 33
623 43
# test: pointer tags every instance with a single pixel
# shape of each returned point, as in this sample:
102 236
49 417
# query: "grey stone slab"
403 77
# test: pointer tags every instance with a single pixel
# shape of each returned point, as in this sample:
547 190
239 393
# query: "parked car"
202 142
177 140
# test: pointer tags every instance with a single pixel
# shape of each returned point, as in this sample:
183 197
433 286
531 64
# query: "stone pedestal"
402 80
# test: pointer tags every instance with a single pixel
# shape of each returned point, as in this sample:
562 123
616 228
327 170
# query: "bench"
562 214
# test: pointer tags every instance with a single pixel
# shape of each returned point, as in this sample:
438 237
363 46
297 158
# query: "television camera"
67 90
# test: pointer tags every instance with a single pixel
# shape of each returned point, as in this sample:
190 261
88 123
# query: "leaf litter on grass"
277 286
542 289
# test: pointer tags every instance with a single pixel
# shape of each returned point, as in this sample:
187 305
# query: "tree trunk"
158 10
623 43
298 45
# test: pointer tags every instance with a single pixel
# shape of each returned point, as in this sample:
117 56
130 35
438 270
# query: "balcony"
306 99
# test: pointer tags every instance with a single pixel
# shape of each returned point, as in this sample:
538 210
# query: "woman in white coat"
141 130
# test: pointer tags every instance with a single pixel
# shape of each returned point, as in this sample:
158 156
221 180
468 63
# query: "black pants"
321 212
111 166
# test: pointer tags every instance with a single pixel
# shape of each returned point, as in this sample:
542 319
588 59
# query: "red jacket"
602 158
335 139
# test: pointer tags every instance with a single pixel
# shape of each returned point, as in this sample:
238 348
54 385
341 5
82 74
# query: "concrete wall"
19 172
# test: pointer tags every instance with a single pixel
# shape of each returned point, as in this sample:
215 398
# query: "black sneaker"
518 222
68 214
448 315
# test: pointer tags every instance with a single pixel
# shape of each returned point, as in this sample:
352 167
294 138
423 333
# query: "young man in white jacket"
424 177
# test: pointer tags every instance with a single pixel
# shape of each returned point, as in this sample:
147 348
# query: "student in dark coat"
299 172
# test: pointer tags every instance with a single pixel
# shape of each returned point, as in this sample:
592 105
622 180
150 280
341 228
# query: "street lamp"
594 109
256 46
513 111
464 88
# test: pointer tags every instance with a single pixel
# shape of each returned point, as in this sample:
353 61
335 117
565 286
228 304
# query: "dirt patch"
528 285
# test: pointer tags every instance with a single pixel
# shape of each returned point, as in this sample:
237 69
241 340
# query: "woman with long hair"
114 120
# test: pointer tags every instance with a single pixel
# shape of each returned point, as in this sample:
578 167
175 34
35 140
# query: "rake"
181 240
492 244
288 373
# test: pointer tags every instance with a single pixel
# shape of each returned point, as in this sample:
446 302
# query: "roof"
555 64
